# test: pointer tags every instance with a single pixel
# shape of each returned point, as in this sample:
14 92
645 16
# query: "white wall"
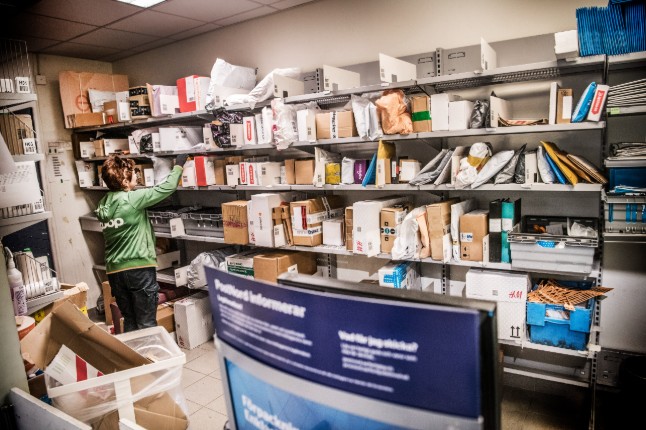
64 198
345 32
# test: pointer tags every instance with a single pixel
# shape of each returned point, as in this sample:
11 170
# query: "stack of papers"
628 94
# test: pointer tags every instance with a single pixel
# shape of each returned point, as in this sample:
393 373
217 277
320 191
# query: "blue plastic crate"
629 176
569 330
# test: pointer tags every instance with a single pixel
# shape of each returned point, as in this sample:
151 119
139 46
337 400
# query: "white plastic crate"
91 399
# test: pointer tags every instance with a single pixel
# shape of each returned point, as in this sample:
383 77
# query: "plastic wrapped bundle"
220 126
480 114
394 115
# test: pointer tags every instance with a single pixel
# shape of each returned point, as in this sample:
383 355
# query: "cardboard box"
509 290
335 125
269 173
205 170
112 146
242 263
460 114
113 356
439 229
191 92
404 275
564 106
421 113
308 216
408 169
474 236
16 130
234 220
366 224
440 110
306 122
262 209
75 98
107 299
303 171
249 136
236 134
193 320
268 266
348 228
166 316
389 220
179 138
334 232
290 171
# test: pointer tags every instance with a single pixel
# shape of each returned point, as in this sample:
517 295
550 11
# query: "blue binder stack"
616 29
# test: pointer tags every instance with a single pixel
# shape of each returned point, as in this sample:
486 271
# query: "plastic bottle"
18 291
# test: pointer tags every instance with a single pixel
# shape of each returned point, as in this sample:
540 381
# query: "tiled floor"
521 409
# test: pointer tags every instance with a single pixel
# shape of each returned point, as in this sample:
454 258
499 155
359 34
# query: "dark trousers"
136 292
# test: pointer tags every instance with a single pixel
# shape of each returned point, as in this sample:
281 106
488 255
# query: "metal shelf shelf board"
11 225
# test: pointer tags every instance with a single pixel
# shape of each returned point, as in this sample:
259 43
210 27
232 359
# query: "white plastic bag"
407 243
321 158
347 170
479 154
162 167
493 166
547 176
284 123
265 88
366 117
227 75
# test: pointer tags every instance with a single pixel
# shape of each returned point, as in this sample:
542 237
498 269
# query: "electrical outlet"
41 80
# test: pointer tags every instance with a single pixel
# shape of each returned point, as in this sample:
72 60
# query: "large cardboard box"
193 320
335 125
474 236
308 216
439 229
366 234
421 113
303 171
113 356
75 98
234 220
509 290
262 206
268 266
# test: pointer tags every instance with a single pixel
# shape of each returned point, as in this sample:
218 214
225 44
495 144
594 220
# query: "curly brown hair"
116 170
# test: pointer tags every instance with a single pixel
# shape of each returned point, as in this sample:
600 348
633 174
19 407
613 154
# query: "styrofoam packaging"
263 205
193 320
459 114
566 44
236 133
366 230
333 232
440 110
509 290
306 121
249 136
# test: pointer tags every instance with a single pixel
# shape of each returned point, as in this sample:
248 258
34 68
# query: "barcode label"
22 84
38 206
29 145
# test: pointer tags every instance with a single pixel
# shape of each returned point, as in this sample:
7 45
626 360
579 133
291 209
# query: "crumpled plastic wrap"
493 166
220 127
264 89
407 243
581 230
366 117
506 174
229 75
196 275
394 115
479 154
480 114
143 139
162 167
284 123
519 173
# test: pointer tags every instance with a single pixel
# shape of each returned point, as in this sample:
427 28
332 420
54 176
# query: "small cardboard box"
234 219
390 219
308 216
268 266
166 316
439 229
290 172
333 232
303 171
460 114
335 125
421 113
474 236
236 134
408 169
193 320
348 228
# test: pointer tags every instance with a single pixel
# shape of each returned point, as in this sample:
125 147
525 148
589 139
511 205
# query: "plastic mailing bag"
284 124
195 274
407 243
506 175
493 166
366 117
394 115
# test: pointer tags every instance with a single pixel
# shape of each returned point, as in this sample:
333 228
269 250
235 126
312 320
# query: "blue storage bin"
629 176
569 332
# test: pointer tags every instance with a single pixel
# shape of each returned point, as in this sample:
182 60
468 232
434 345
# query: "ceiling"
109 30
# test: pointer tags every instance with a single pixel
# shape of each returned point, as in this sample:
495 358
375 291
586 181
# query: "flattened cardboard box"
66 325
75 98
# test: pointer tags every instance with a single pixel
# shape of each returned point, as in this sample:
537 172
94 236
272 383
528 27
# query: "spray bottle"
17 287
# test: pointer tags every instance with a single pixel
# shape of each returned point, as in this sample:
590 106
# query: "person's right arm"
144 198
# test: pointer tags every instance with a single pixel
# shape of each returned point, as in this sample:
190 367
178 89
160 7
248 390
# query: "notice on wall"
60 161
